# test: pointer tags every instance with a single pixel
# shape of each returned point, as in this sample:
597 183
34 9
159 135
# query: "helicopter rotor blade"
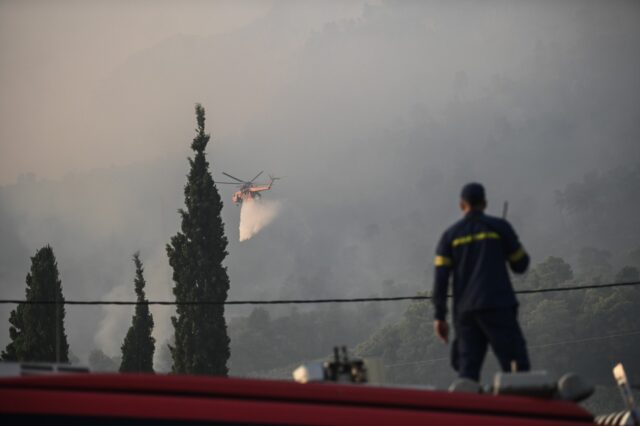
226 183
251 181
233 177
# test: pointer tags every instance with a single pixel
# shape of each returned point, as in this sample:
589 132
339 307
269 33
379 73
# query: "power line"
545 345
587 339
425 361
585 287
292 301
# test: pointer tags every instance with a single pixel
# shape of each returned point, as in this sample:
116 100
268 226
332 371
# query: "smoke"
355 104
255 215
113 325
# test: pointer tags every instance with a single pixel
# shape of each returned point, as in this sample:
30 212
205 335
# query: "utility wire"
545 345
292 301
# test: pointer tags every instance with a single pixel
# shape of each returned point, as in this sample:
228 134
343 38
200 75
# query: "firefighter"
476 250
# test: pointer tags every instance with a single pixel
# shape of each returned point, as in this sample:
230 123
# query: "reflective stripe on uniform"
517 255
442 261
467 239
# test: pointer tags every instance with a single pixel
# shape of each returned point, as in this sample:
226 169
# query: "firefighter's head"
472 197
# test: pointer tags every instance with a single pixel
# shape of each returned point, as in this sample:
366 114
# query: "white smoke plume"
255 215
116 319
113 325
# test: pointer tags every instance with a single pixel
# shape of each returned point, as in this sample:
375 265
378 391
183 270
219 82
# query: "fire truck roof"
107 394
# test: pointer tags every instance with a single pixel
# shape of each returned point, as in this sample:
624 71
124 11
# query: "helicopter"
248 189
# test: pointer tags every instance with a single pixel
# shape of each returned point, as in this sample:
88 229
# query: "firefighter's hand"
442 330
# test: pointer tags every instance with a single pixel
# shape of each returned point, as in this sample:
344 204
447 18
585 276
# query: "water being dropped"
255 215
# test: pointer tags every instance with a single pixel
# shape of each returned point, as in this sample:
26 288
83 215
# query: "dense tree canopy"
101 362
196 255
37 331
263 341
566 331
553 271
139 345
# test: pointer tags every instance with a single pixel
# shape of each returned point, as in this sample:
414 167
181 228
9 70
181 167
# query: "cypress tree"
139 345
37 331
196 255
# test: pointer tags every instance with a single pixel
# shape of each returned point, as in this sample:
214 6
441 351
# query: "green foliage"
261 342
627 274
36 331
100 362
196 255
409 349
568 331
537 316
565 331
139 345
595 263
553 271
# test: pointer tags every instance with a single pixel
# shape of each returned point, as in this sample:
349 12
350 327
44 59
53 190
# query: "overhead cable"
294 301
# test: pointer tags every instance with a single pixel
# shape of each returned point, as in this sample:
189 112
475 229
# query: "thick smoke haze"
377 113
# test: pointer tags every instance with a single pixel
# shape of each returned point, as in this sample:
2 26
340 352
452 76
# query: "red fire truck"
116 399
332 393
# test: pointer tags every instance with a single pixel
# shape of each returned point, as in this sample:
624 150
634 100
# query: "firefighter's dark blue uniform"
476 251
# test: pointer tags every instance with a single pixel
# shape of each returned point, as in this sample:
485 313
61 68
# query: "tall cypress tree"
196 255
37 331
139 345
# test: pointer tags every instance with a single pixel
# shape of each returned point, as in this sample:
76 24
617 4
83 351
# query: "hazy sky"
56 57
376 113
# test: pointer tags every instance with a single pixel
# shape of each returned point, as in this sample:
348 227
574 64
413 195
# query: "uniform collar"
474 213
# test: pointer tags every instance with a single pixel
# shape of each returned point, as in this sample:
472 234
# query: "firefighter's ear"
464 206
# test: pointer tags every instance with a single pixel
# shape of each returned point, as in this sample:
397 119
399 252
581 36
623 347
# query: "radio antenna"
505 209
